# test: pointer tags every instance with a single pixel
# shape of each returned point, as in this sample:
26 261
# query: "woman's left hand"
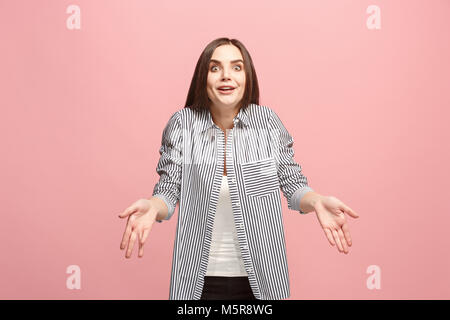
330 213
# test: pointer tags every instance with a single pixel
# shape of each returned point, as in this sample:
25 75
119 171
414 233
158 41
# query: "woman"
225 158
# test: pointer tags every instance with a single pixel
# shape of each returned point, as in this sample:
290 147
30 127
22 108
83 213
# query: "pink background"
82 113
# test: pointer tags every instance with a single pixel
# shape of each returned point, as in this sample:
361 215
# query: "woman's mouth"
226 90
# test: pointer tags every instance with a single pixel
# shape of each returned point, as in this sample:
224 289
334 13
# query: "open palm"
141 216
330 212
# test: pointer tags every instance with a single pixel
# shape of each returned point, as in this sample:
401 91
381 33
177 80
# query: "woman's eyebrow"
234 61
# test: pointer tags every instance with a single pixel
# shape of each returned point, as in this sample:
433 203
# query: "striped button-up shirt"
258 153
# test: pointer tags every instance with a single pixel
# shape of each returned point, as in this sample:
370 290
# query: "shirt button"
241 226
233 180
245 247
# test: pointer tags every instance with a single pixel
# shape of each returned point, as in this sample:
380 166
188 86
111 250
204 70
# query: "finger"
128 211
349 211
347 234
131 243
145 235
336 239
343 241
141 250
126 235
329 236
141 245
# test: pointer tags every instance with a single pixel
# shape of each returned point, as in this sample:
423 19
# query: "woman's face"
226 68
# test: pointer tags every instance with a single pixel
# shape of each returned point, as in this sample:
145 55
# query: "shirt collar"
242 116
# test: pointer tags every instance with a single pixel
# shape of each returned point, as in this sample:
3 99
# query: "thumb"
349 211
128 211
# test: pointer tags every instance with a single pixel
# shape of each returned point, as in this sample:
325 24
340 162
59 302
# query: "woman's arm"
293 183
329 210
169 167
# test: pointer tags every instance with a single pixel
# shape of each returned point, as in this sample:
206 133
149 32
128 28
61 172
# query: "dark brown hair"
197 98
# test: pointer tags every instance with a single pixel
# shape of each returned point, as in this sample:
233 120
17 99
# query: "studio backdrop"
87 88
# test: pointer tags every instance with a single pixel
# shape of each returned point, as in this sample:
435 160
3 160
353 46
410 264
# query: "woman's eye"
237 66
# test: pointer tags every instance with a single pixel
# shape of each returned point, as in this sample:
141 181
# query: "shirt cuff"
170 208
297 197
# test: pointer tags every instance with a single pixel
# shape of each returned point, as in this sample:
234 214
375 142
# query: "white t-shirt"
225 257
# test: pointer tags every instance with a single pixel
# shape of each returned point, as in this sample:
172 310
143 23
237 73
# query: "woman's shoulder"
190 116
259 109
188 112
182 113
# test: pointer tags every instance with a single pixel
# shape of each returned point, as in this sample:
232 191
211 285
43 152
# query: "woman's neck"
223 117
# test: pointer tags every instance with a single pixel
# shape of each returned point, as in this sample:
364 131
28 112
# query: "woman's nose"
226 73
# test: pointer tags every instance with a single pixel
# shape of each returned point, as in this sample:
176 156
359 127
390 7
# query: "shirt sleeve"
293 183
170 165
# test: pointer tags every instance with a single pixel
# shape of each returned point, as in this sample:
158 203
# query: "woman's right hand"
141 216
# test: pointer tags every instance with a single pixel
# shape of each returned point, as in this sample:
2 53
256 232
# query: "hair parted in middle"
198 99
